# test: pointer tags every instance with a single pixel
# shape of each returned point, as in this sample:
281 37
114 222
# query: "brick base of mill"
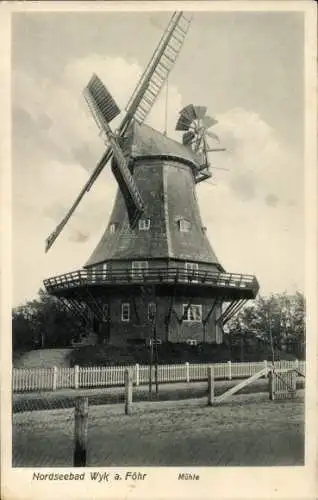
174 319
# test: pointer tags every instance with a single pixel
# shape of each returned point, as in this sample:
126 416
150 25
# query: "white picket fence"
48 379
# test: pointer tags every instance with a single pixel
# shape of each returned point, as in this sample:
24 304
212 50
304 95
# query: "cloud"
254 215
79 237
260 164
271 200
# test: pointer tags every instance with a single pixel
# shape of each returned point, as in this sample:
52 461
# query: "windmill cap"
144 141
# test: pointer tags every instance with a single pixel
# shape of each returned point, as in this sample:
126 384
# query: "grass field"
249 430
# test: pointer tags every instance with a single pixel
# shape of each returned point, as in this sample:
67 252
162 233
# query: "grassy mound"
43 358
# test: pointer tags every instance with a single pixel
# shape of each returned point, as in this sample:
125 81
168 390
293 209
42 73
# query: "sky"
246 67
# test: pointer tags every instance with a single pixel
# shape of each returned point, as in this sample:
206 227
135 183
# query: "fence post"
266 367
80 432
76 377
271 381
55 373
210 385
229 364
187 372
128 391
137 374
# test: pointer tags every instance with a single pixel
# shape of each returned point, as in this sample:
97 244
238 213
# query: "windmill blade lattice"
161 63
105 109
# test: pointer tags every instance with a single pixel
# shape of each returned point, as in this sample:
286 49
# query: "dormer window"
112 227
184 225
144 224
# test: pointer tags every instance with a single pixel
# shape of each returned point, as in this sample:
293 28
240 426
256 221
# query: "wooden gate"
282 384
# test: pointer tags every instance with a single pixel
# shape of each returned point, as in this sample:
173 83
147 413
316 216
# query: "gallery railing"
93 277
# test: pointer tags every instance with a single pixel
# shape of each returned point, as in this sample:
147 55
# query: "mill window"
151 310
144 224
139 268
192 271
125 312
192 312
112 227
184 225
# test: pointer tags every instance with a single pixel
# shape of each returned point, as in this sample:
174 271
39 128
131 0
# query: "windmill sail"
100 102
159 67
104 109
142 99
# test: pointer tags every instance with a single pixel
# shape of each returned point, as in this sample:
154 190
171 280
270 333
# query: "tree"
278 320
43 322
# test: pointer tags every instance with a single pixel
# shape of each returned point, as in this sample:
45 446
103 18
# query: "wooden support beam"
135 309
206 319
93 304
69 308
234 311
240 386
76 305
224 314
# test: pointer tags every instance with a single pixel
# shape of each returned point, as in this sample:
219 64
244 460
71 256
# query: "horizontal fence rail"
51 379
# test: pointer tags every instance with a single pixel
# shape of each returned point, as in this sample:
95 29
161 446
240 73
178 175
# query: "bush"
168 353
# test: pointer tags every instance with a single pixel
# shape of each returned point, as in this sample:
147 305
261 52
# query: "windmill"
153 274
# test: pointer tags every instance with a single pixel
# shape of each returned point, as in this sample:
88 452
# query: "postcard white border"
230 483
